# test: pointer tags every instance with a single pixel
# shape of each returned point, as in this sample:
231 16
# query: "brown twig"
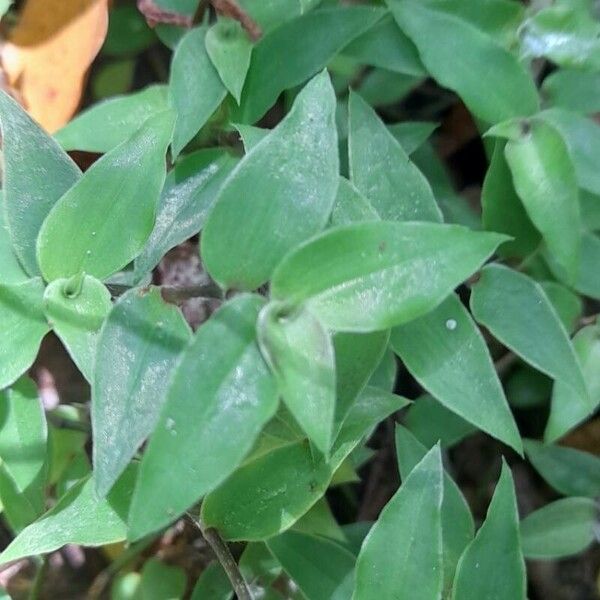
155 15
224 556
231 9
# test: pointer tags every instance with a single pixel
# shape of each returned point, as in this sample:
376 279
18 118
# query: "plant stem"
224 556
175 294
38 582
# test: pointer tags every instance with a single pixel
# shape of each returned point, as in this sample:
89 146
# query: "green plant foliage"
381 170
385 568
145 337
79 517
509 92
76 309
195 88
286 206
109 123
338 274
570 472
479 573
562 528
303 46
190 190
222 360
456 521
446 353
545 180
518 312
108 215
24 326
35 174
229 49
278 305
300 352
321 568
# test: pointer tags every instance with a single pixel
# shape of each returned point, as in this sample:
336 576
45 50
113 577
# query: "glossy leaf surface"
107 124
282 192
371 276
381 170
195 88
138 347
480 573
36 173
233 396
108 215
300 353
509 92
517 312
76 315
385 569
23 326
447 355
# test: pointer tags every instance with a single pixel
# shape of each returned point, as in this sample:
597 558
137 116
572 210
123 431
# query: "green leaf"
11 270
480 573
303 47
222 381
518 313
188 194
128 33
229 49
281 193
446 353
569 408
527 388
195 88
430 421
588 281
76 315
509 90
276 487
371 407
570 472
23 433
138 348
103 221
582 137
79 517
109 123
559 529
384 376
568 306
36 173
320 521
574 89
411 135
567 35
267 495
381 170
299 351
162 582
385 45
351 206
23 327
213 584
500 19
370 276
356 358
322 569
544 178
502 209
456 520
395 554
